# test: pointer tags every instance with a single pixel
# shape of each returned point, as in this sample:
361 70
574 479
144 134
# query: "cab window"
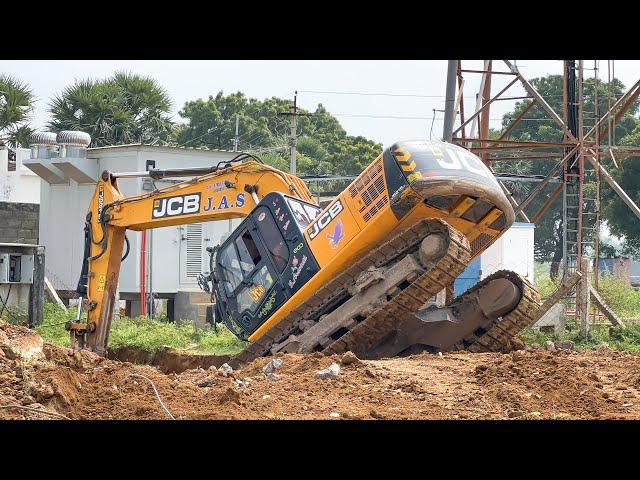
273 239
230 268
249 253
250 297
302 212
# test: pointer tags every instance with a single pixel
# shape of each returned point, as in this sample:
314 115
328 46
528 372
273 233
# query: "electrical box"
16 268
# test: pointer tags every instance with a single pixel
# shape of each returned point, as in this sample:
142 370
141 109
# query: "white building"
18 184
514 250
178 253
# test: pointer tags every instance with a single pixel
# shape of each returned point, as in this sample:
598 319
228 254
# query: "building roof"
164 147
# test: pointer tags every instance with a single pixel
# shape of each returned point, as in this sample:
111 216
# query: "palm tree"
16 105
126 108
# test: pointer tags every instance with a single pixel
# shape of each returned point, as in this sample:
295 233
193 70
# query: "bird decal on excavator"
336 235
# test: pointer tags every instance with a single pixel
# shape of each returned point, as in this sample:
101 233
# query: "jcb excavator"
356 275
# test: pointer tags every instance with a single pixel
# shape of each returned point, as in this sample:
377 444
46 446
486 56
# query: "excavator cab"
263 263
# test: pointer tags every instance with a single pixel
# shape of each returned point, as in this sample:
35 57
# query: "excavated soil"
168 360
57 382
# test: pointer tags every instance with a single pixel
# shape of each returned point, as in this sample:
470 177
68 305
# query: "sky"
410 90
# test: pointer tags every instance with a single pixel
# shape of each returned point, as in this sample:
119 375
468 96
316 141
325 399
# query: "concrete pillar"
4 159
190 306
36 292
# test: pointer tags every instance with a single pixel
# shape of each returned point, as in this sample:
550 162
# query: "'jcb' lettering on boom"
325 219
173 206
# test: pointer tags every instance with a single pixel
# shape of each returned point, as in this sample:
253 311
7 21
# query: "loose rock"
376 414
549 346
225 369
564 345
207 382
22 345
272 366
350 358
329 373
370 373
230 396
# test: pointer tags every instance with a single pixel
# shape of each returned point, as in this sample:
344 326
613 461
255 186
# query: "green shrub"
624 339
146 334
52 328
623 300
151 335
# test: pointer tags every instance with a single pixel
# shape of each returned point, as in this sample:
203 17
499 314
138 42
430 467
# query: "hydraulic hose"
126 254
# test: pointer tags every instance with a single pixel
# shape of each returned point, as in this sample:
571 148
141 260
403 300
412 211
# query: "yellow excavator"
358 275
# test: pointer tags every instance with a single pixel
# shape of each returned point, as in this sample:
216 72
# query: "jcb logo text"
325 219
173 206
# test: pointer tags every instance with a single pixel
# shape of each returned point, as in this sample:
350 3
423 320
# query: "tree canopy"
125 108
323 145
619 218
16 106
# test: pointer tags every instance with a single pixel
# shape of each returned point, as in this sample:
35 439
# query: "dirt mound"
167 360
56 382
530 385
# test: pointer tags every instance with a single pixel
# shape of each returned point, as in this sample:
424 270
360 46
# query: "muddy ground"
55 382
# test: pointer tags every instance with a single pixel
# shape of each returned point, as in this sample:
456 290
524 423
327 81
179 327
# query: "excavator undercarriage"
376 308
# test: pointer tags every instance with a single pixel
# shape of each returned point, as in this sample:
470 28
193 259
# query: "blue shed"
468 278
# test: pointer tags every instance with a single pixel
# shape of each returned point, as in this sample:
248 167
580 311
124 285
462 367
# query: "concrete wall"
19 222
17 297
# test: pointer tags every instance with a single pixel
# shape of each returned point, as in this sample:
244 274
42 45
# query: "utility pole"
449 113
235 140
294 129
293 113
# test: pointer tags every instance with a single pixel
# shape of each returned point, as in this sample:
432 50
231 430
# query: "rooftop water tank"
43 145
73 143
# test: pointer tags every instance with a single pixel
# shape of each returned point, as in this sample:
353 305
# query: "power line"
195 138
394 117
411 95
373 94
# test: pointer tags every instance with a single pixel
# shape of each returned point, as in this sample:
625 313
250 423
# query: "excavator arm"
230 190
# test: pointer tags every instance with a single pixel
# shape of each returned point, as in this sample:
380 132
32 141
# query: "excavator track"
497 337
445 270
372 329
385 319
